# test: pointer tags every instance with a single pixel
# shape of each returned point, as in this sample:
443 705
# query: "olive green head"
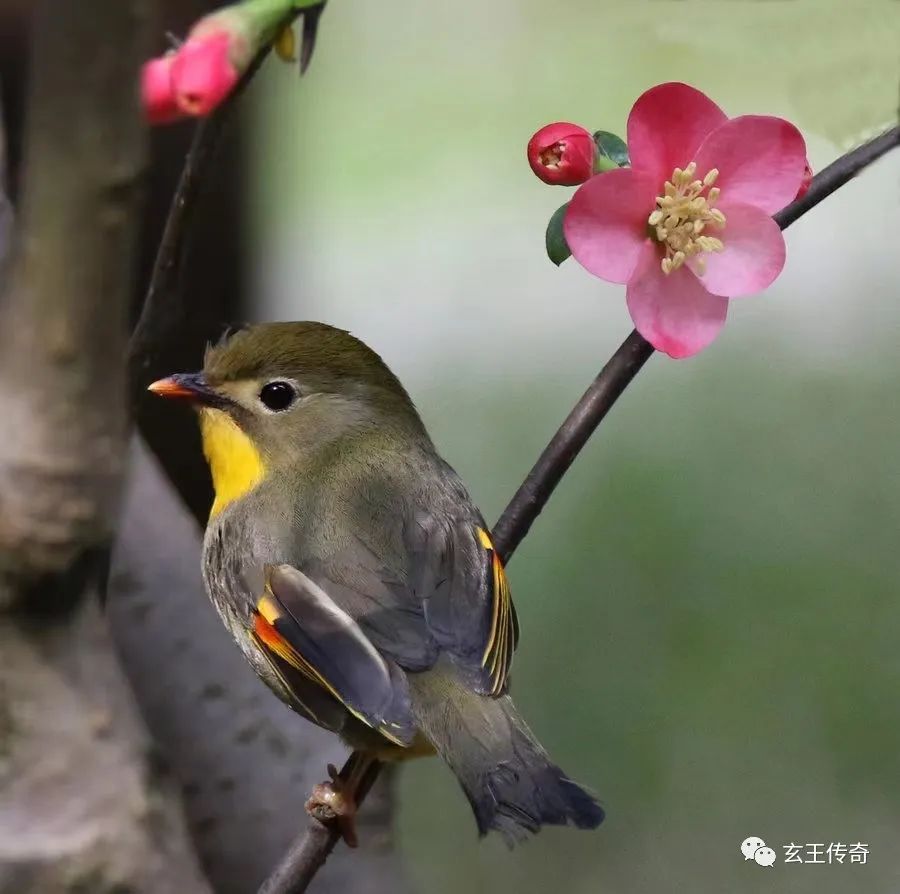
323 359
292 387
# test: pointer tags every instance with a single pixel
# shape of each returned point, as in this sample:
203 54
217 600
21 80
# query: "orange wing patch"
265 615
270 638
274 641
504 634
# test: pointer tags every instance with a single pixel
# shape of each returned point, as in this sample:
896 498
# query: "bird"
353 569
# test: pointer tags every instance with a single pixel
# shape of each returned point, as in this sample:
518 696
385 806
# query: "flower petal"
753 256
157 96
666 126
761 161
673 312
606 224
203 74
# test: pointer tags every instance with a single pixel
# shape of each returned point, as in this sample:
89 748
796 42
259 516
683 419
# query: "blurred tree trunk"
82 808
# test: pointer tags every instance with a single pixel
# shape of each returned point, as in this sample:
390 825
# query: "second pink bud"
562 154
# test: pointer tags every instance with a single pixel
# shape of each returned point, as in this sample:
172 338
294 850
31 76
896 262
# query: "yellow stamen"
683 211
552 155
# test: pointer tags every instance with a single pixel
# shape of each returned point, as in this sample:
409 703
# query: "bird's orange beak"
187 386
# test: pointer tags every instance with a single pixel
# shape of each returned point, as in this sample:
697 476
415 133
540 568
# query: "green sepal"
257 22
612 152
557 247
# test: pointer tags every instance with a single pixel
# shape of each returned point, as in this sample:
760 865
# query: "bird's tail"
510 781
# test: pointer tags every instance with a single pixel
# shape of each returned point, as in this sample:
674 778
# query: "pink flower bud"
804 183
562 154
203 73
157 96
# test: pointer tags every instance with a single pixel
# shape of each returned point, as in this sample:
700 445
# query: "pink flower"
157 97
562 154
689 225
203 72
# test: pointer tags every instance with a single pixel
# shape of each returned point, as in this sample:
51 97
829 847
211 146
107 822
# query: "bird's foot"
334 802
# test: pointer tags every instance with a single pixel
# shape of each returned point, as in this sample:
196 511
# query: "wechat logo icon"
754 848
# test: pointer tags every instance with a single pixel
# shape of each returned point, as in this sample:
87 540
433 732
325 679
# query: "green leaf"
612 152
557 247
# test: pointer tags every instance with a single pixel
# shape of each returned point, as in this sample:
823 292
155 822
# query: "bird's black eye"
278 396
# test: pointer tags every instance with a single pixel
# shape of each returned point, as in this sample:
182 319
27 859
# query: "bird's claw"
334 802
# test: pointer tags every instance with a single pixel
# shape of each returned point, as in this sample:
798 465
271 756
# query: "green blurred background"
709 605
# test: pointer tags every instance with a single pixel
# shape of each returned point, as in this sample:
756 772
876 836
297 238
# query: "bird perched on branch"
350 564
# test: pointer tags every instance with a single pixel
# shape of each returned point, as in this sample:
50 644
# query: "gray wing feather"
336 648
441 601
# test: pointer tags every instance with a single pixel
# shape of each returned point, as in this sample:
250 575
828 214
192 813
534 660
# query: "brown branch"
304 859
839 172
307 855
164 310
566 444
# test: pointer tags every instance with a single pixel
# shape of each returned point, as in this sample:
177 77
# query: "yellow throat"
234 462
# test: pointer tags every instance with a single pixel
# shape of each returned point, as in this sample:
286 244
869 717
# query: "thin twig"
839 172
308 854
566 444
163 310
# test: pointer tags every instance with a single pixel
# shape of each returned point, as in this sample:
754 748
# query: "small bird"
356 574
